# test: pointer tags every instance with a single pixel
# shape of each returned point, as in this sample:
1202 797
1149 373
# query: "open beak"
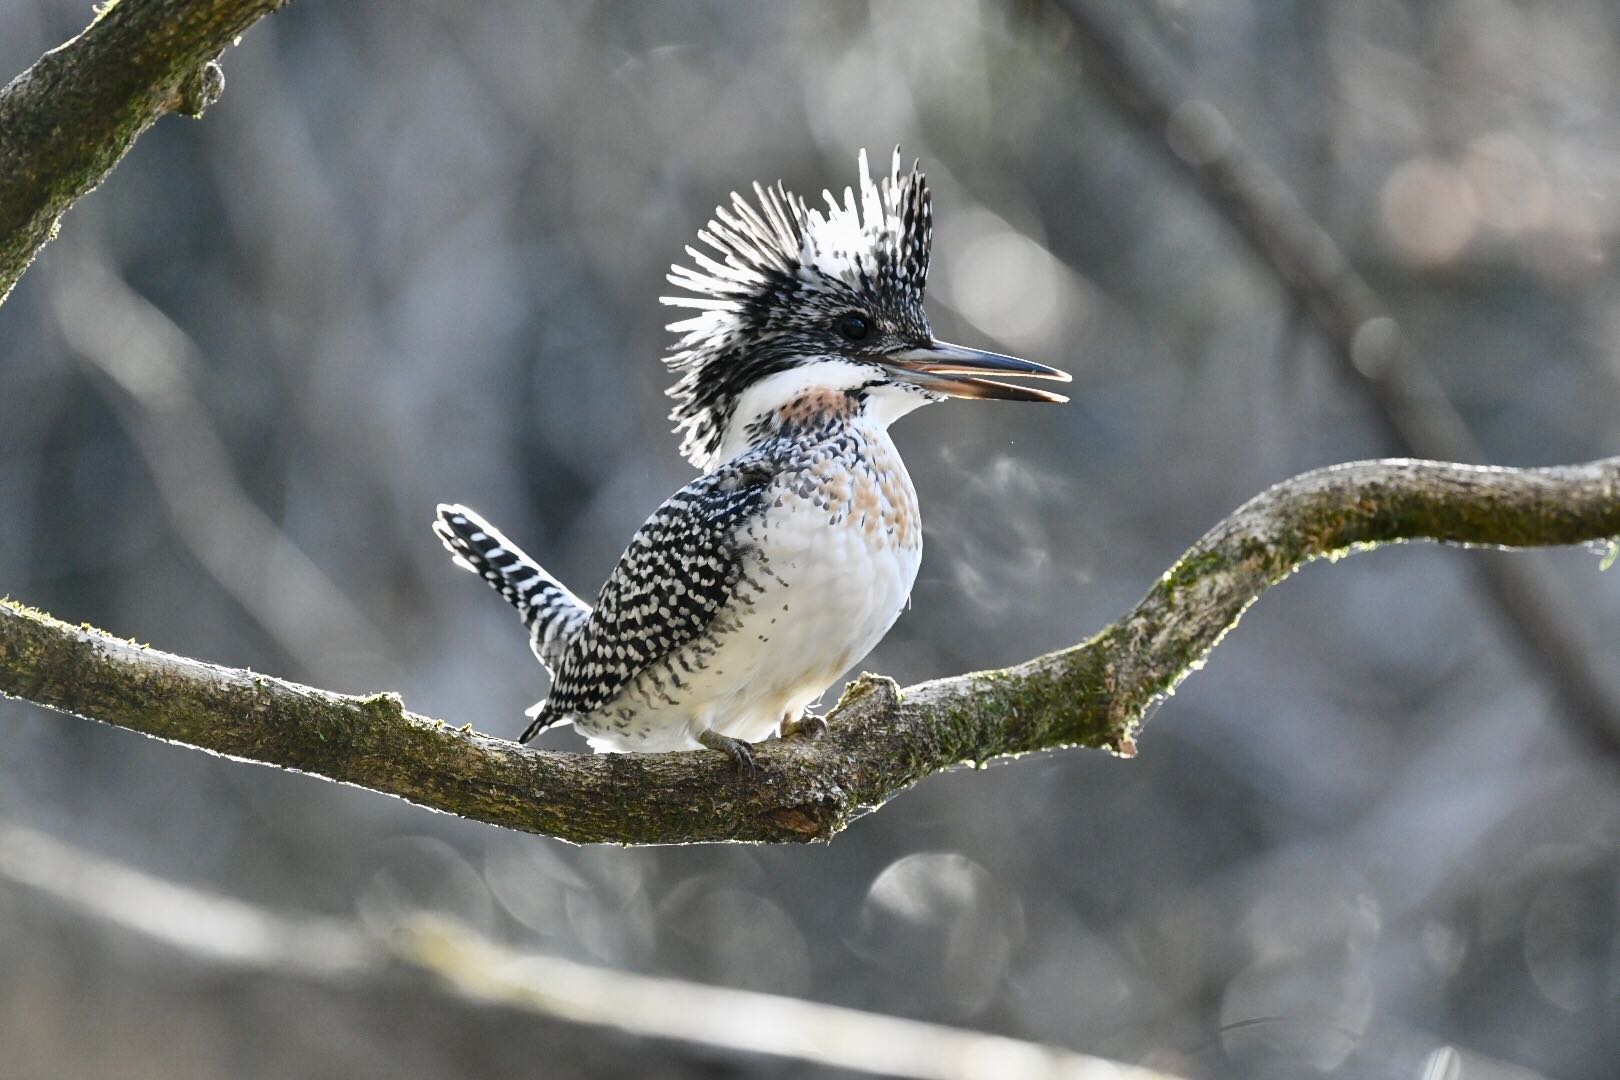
957 371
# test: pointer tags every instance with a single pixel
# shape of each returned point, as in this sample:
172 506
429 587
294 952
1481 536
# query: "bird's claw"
808 726
740 752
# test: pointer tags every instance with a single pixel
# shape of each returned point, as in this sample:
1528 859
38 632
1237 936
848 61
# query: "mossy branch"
66 121
881 740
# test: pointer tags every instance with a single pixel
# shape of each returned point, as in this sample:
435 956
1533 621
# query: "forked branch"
881 741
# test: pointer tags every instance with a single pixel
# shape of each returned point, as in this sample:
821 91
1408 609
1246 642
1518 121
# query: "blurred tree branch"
66 121
1371 349
144 366
881 740
569 1002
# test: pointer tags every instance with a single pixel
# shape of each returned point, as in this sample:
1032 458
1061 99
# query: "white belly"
837 597
835 567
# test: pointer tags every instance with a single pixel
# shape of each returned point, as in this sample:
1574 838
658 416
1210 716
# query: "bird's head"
793 300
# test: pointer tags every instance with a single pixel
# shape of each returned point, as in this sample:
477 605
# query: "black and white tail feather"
552 615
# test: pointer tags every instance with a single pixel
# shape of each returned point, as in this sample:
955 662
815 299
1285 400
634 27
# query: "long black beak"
957 371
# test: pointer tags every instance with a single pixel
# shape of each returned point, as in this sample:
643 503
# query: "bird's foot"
739 752
807 726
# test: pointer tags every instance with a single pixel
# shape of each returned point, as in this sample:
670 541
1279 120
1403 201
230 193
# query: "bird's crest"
776 268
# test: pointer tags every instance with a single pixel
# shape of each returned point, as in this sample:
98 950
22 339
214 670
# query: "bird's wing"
682 568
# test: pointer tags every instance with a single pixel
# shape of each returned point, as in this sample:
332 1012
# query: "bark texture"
881 739
66 121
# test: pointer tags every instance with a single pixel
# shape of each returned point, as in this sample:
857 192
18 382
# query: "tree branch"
66 121
881 740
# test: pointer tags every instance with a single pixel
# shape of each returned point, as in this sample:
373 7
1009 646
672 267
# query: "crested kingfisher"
753 588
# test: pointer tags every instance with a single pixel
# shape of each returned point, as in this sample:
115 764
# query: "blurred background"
414 254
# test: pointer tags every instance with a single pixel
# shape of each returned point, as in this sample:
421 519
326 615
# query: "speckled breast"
840 545
829 565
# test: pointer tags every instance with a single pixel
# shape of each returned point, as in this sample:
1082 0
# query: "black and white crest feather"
778 269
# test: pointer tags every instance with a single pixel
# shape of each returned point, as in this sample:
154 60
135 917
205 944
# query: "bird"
749 591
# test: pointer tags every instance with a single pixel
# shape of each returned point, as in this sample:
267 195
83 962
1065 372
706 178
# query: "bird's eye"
852 326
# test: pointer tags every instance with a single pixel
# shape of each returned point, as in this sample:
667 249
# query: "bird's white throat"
761 408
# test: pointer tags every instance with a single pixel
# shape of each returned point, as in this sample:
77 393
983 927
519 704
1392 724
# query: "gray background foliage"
413 254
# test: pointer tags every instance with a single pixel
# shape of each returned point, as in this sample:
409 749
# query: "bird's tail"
552 614
540 718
